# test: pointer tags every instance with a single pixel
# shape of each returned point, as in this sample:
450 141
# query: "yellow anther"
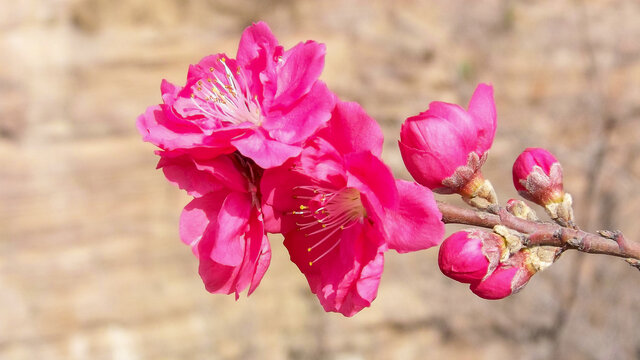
302 207
308 249
310 263
200 82
211 69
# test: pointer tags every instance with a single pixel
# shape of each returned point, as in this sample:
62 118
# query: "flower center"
326 212
229 99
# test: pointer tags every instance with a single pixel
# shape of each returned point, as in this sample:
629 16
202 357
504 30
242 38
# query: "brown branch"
546 233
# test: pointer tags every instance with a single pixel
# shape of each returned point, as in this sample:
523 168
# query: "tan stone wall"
91 266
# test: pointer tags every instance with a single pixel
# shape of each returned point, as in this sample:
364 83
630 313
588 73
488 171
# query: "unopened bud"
468 256
508 278
537 176
520 209
445 146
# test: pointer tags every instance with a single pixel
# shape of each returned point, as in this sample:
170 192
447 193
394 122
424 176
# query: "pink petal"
461 257
257 235
197 215
528 159
273 219
169 92
262 265
297 73
163 128
166 132
432 149
371 176
426 168
256 42
350 129
226 171
295 123
232 223
457 117
266 152
497 285
366 287
416 223
278 197
221 140
182 172
346 279
258 54
217 278
322 162
439 137
482 109
221 278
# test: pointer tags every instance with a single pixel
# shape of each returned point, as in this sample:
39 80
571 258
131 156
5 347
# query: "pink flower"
444 147
537 176
264 104
508 278
340 209
223 224
469 256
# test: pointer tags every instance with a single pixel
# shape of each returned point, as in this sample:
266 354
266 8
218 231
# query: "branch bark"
546 233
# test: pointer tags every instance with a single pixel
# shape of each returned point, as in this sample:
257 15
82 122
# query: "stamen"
227 101
329 212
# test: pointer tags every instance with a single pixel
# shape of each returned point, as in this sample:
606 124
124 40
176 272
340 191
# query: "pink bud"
467 256
508 278
537 175
438 142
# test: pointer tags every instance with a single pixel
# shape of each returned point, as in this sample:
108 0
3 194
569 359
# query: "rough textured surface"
90 262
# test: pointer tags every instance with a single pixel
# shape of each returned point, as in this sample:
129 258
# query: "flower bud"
444 147
468 256
520 209
508 278
537 176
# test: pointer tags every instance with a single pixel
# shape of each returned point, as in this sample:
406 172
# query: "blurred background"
91 266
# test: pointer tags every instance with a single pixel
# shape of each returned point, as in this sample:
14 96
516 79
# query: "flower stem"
539 233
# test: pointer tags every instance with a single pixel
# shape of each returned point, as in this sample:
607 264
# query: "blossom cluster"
444 149
263 146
